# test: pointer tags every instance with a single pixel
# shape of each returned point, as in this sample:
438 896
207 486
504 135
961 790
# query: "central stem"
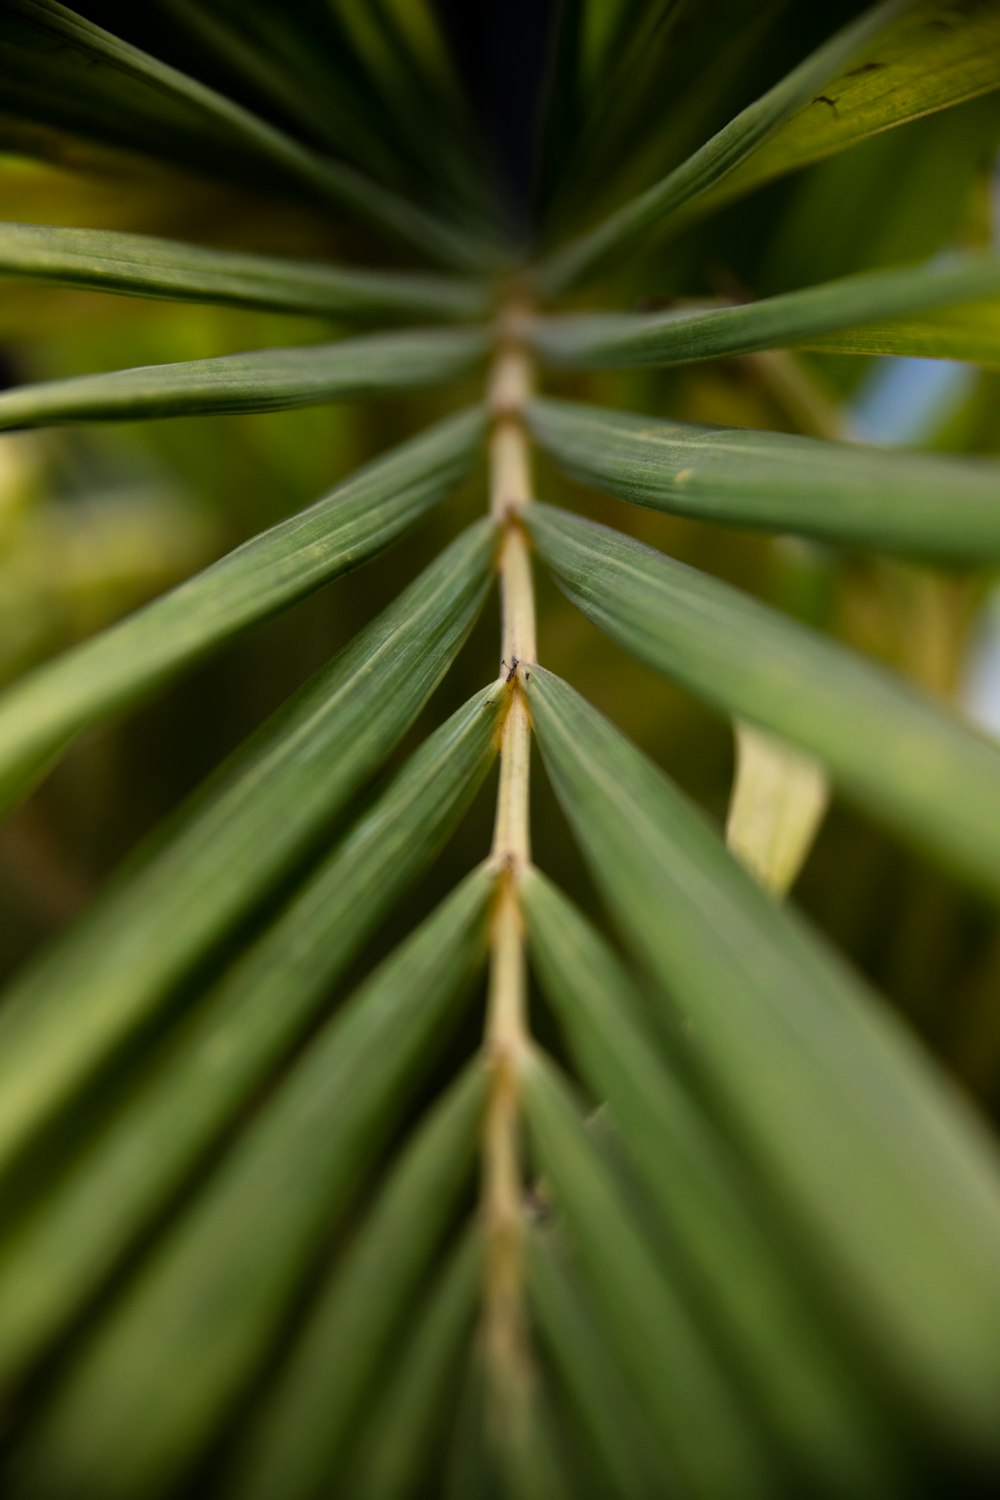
504 1319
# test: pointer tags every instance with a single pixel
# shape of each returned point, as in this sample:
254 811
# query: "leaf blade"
261 380
833 315
673 1374
41 713
717 1238
938 54
211 1300
828 1087
912 766
62 1252
919 504
627 226
298 1435
394 1443
58 65
140 265
114 970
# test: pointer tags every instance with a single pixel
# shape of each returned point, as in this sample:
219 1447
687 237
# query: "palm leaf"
806 318
253 1233
937 54
42 713
629 225
835 1098
411 1411
306 1418
263 380
176 1110
911 764
235 838
59 67
676 1376
939 509
715 1235
141 266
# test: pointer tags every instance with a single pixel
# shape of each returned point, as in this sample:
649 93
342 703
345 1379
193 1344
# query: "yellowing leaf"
778 800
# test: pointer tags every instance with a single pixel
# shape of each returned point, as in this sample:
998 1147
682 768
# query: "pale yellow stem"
504 1329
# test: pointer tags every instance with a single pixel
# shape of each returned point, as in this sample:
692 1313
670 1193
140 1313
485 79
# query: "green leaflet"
969 332
262 380
936 54
231 842
59 68
805 318
715 1236
912 765
624 229
829 1096
414 1405
41 713
944 509
297 1435
699 1421
64 1250
626 1450
192 1330
139 265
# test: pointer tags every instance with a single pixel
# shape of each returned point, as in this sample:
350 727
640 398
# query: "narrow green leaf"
58 1256
396 1440
234 838
41 713
628 226
296 1437
262 380
938 53
718 1240
947 509
805 318
138 265
190 1333
893 1185
605 1408
907 761
968 332
696 1415
58 67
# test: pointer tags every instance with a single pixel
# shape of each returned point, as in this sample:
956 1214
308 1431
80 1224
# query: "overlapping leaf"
627 227
64 1250
193 1328
59 68
41 713
716 1238
938 53
910 763
304 1423
235 838
823 1089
